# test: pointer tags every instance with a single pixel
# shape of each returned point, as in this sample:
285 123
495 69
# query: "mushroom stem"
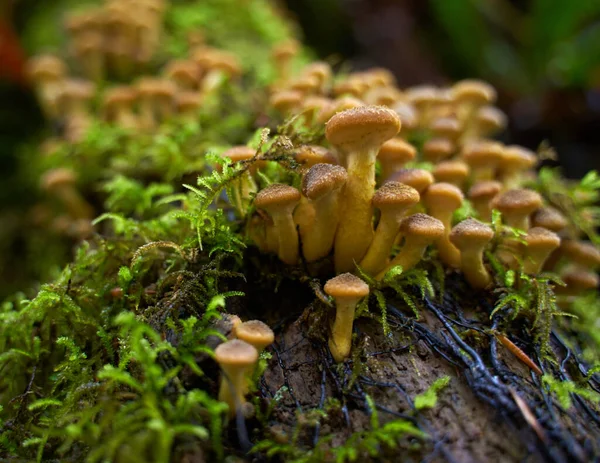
411 253
319 241
471 264
470 237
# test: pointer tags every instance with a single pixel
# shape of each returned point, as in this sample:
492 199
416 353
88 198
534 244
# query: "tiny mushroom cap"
321 179
582 253
285 50
118 95
42 67
540 243
471 236
256 333
319 69
393 154
57 178
490 119
422 225
309 155
362 127
516 206
517 158
187 101
407 114
286 101
549 218
473 91
239 153
422 95
236 353
394 194
578 279
454 172
276 196
339 104
346 286
438 149
446 127
384 96
481 195
483 157
186 72
305 84
419 179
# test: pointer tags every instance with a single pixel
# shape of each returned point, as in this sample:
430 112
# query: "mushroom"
339 104
469 95
221 66
393 199
322 185
441 200
89 52
305 84
280 201
483 157
358 133
471 237
437 149
382 96
188 104
347 291
549 218
540 244
163 98
283 54
74 100
516 206
423 98
47 73
393 155
419 179
322 71
447 127
255 333
310 155
453 172
419 231
581 253
61 183
244 186
514 161
578 280
489 120
184 74
118 106
286 102
236 359
481 195
147 117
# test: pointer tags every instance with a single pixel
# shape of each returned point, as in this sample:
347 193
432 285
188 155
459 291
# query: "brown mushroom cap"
119 95
305 84
42 67
580 280
57 178
422 95
319 69
437 149
455 172
285 50
471 233
187 100
239 153
346 285
446 127
473 91
321 179
397 150
285 100
314 154
541 238
383 96
549 218
517 158
482 153
256 333
422 225
581 252
184 70
362 127
491 119
277 195
236 353
419 179
486 189
164 89
444 196
394 194
520 201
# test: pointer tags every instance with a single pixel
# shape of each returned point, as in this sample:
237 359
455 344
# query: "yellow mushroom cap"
419 179
437 149
164 88
384 96
255 333
518 201
486 189
446 127
397 150
422 226
305 84
239 153
285 50
321 179
362 127
443 196
346 285
549 218
471 233
482 153
236 353
455 172
310 155
285 100
422 95
277 195
491 119
319 69
473 91
57 178
581 252
391 195
539 238
517 158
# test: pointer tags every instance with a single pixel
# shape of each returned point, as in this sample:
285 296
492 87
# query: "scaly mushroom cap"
423 226
454 172
255 333
519 201
42 67
443 196
346 285
471 233
473 91
581 252
517 158
362 127
549 218
437 149
580 280
236 353
490 119
309 155
321 179
277 195
392 195
484 190
397 150
482 154
57 178
446 127
419 179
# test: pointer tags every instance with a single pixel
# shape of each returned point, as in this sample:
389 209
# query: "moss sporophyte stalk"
289 263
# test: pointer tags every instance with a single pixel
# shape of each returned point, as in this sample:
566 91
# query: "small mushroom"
347 291
358 134
236 359
514 162
61 183
286 102
516 206
453 172
185 74
447 127
540 244
489 120
280 201
471 237
419 179
393 155
438 149
322 186
118 106
481 195
419 231
309 155
256 333
483 157
243 187
393 199
549 218
188 104
581 253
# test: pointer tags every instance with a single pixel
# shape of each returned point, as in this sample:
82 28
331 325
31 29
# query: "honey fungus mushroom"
347 290
358 134
470 237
